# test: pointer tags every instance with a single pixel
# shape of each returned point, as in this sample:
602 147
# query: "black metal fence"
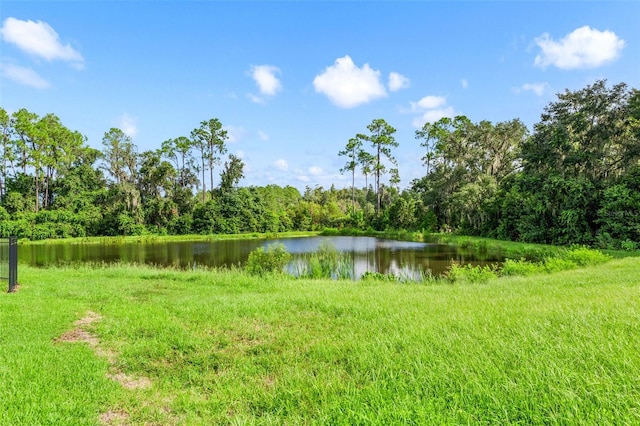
9 261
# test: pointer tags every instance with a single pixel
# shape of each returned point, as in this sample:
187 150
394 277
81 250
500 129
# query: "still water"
367 254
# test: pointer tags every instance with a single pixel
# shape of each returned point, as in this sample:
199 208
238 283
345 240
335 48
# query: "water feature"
367 254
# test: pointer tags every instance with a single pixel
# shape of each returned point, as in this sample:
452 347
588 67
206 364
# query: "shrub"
583 256
269 261
471 274
556 264
629 245
329 232
571 259
512 267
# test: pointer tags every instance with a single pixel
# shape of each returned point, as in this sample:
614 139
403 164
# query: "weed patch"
471 274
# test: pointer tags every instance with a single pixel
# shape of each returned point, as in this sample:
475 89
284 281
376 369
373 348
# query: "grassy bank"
167 347
483 247
167 238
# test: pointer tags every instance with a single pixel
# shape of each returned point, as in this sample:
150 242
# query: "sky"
293 81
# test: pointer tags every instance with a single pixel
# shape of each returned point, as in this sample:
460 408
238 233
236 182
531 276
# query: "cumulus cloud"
265 78
398 81
430 109
23 75
39 39
582 48
347 85
127 124
428 102
240 154
315 171
433 115
281 164
262 135
537 88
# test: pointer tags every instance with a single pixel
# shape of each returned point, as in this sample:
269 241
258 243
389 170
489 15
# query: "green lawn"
170 347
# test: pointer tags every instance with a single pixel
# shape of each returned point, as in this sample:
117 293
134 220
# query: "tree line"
575 179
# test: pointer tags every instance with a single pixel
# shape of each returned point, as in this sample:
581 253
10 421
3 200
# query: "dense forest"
574 179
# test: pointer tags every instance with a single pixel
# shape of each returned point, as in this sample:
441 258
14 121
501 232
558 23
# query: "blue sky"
293 81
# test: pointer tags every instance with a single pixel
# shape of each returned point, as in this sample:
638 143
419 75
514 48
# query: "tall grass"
325 262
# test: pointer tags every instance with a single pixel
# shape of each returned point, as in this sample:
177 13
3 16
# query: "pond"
367 254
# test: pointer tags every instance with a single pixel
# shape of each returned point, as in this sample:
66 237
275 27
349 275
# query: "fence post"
13 263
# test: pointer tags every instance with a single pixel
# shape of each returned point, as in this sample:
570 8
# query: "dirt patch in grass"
89 318
80 334
114 418
129 382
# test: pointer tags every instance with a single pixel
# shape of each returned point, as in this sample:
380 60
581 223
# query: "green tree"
59 148
209 140
352 152
27 147
156 179
466 163
23 127
586 142
382 140
123 213
179 151
119 156
232 173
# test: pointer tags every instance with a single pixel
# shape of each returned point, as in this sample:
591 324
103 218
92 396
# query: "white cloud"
430 109
465 83
234 133
23 75
281 164
240 154
39 39
583 48
433 115
428 102
262 135
537 88
348 86
265 78
127 124
315 171
303 178
398 81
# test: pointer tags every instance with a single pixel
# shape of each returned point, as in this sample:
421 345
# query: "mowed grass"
228 348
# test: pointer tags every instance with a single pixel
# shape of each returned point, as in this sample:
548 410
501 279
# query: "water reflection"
367 254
